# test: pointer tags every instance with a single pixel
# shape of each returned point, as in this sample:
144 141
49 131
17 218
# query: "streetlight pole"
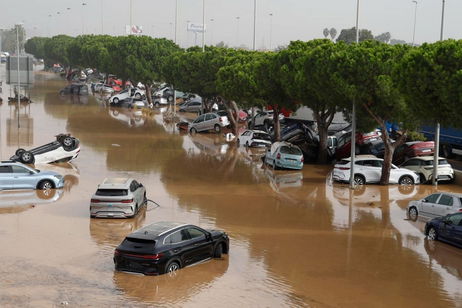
203 25
19 79
271 30
83 29
176 18
415 21
254 23
102 22
131 21
237 31
211 31
437 128
353 115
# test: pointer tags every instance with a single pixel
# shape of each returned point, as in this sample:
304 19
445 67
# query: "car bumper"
126 263
112 211
286 165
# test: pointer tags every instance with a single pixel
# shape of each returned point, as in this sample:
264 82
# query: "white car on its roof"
368 169
254 138
118 198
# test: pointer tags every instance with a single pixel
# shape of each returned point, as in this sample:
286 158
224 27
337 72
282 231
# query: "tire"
172 266
413 213
45 185
432 234
359 179
19 151
27 157
115 100
406 180
138 96
68 143
218 251
422 179
193 131
217 128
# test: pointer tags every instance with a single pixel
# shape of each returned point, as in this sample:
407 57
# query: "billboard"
200 28
133 30
26 76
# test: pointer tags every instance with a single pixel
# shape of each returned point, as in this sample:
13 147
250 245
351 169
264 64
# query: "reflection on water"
297 239
20 133
14 201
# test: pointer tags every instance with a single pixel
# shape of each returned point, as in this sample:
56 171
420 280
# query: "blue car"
284 155
446 229
18 176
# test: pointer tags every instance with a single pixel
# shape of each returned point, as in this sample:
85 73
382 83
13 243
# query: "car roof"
109 183
156 229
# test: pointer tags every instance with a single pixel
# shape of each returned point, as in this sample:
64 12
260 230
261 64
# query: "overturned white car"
64 149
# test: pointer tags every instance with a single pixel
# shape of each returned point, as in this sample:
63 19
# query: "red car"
413 149
343 149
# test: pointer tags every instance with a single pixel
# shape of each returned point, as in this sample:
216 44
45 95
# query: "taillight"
95 201
156 256
302 160
343 168
460 210
278 156
127 201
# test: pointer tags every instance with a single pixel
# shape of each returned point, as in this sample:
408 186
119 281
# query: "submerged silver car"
209 121
118 198
15 175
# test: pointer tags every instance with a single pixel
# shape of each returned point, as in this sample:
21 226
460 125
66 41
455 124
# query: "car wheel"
413 213
218 251
138 96
19 152
45 185
422 179
406 180
172 266
217 128
27 157
432 234
68 143
115 100
359 180
193 131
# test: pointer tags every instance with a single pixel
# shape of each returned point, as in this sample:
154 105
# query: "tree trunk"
323 120
148 88
277 125
389 151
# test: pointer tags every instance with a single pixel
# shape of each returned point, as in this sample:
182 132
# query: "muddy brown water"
297 239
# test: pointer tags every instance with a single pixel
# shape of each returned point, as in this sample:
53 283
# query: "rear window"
262 137
440 162
141 245
139 240
290 150
112 192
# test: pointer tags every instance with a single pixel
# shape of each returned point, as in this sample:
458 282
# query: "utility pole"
203 25
437 128
353 120
254 23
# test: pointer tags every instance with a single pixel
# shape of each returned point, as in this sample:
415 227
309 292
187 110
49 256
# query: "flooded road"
296 239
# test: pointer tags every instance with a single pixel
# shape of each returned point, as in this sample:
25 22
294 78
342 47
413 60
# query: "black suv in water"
164 247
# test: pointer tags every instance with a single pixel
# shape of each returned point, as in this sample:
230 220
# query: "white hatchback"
368 169
254 138
435 205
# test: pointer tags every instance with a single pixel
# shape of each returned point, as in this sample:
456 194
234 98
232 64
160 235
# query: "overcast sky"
291 20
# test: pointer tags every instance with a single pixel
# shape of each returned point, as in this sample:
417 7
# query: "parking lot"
296 238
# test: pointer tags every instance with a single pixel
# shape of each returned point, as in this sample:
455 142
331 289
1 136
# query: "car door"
427 205
209 121
444 205
22 178
199 122
372 170
202 243
451 228
6 177
179 245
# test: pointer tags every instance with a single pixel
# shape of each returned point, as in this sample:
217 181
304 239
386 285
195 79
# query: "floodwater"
296 239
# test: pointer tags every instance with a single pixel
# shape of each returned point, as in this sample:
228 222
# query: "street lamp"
437 129
203 25
271 30
415 21
353 115
176 18
83 30
237 31
254 23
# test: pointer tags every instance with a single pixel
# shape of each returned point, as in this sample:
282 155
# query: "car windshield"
290 150
440 162
262 136
112 192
